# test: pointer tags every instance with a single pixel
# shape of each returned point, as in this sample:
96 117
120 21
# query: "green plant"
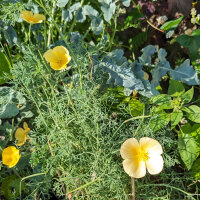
176 102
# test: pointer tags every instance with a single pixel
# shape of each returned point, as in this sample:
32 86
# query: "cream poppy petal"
130 148
134 168
60 51
57 66
50 56
154 164
150 146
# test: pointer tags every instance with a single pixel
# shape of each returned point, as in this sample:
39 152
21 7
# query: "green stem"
51 24
83 186
29 34
168 186
128 120
20 186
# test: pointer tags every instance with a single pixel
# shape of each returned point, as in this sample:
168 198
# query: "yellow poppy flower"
31 18
141 155
58 57
21 134
10 156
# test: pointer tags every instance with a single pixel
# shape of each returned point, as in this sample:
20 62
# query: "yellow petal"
20 136
134 168
26 128
154 164
60 51
57 66
26 15
130 148
38 18
10 156
50 56
25 125
150 146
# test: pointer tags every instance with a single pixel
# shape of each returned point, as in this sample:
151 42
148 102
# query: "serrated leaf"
176 117
185 73
163 100
175 89
135 107
62 3
5 67
159 120
195 132
187 149
193 113
187 96
196 169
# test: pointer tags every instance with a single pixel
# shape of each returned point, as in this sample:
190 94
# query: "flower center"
145 156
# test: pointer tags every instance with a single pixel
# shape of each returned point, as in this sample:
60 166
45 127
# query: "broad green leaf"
126 2
187 149
120 74
5 67
193 113
161 68
10 35
62 3
187 96
9 99
185 73
159 120
135 107
175 88
147 52
176 117
10 187
108 8
196 169
192 42
171 24
163 100
195 132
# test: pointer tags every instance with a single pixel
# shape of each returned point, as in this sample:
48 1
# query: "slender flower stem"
29 34
51 24
133 188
